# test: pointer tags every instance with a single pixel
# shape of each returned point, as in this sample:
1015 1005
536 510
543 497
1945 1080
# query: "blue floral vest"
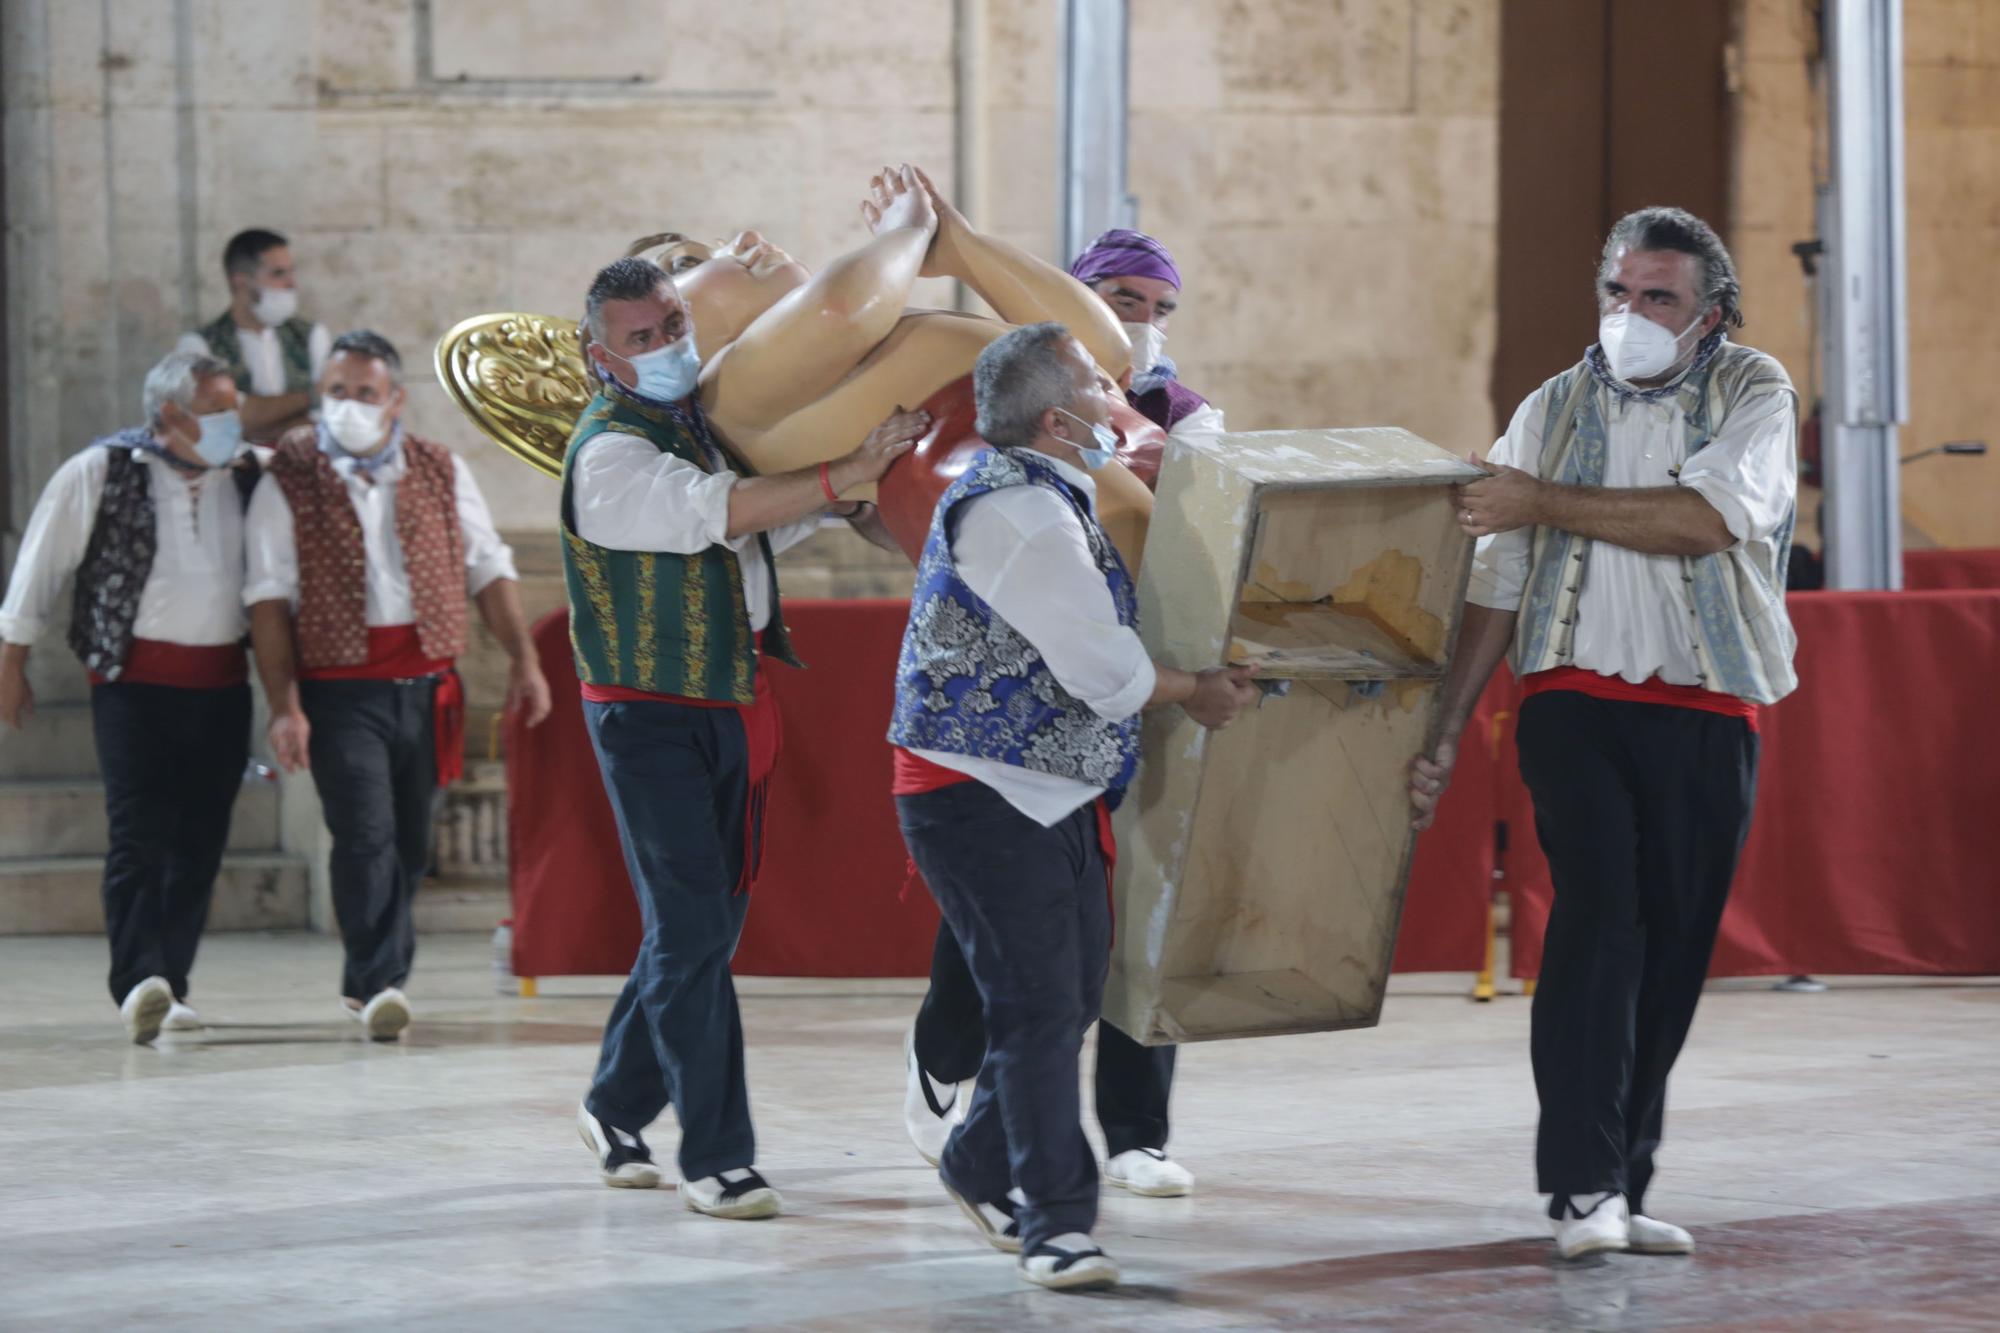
969 684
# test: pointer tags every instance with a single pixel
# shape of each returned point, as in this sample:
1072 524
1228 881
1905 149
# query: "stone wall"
1323 168
1952 136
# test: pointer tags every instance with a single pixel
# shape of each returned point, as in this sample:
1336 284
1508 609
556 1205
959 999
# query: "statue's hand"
897 200
952 230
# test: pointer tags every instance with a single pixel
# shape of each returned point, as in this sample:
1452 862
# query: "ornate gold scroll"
522 380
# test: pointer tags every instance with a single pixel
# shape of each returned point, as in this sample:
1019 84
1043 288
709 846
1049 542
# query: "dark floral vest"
118 560
969 684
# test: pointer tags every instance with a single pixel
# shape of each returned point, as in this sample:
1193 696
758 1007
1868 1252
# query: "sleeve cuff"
1132 696
1725 502
269 590
499 565
21 633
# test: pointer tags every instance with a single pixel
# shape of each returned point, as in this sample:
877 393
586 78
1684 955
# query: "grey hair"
1676 229
1017 378
368 343
175 380
628 279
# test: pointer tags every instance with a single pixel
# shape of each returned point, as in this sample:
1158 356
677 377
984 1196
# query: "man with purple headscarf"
1136 276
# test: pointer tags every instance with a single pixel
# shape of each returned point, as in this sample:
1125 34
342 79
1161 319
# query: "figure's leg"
1009 888
413 792
353 726
1593 955
678 779
214 733
1700 780
1133 1083
950 1033
135 756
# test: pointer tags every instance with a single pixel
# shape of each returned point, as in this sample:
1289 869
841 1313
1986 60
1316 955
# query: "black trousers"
678 779
1132 1082
172 761
374 760
1642 810
1027 906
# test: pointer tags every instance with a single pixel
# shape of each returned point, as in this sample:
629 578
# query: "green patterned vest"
652 620
294 344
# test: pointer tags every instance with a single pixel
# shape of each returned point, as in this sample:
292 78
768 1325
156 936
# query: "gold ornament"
522 380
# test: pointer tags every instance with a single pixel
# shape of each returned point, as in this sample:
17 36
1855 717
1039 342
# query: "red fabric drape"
1874 844
1934 571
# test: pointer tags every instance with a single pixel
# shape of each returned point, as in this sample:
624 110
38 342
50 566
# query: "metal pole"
1865 306
1093 121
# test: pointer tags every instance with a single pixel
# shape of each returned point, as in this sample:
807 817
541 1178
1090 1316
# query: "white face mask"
275 305
1638 349
358 427
1102 436
1148 342
221 437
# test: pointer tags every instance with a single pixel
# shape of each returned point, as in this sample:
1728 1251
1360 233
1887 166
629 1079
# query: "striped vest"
294 345
1744 639
654 620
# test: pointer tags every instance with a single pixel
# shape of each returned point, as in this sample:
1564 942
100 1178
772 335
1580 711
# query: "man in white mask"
274 356
150 522
1136 276
1633 535
365 544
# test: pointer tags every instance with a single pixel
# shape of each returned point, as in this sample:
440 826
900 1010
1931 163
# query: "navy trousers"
1642 810
1132 1084
1027 907
374 760
173 762
678 778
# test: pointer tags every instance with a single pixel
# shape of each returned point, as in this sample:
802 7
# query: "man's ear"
177 420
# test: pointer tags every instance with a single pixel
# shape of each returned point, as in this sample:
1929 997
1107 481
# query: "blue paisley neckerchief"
369 464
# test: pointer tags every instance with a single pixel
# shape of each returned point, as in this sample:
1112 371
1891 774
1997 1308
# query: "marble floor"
1837 1155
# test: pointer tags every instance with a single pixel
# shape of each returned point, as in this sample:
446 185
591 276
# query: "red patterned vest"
332 619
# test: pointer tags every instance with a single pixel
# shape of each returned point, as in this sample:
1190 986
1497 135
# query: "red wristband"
826 484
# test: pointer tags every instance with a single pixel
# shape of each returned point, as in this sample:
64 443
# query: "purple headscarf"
1120 253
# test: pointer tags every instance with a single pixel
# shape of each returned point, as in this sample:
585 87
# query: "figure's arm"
51 549
796 351
1023 289
494 586
1483 639
1024 554
270 582
267 417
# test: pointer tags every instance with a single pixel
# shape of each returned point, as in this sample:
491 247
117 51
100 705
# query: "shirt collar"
385 464
1072 474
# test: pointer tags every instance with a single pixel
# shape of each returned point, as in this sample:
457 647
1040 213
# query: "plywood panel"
1262 868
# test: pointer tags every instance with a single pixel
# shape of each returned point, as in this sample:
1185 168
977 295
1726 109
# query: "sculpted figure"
798 365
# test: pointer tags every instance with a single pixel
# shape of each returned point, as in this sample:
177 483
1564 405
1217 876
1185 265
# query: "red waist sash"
184 666
1653 690
763 735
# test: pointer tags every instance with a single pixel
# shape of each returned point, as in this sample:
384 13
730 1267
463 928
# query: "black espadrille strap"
1005 1206
732 1190
621 1154
1065 1259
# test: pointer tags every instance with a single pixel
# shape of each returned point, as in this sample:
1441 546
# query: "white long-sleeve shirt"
1632 613
263 357
272 552
193 594
629 494
1022 550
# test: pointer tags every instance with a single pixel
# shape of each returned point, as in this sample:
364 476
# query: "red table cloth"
1875 844
1933 571
831 900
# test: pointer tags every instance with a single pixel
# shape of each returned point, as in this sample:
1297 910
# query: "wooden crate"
1261 869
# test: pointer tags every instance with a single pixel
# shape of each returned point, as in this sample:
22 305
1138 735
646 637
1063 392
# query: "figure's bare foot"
897 199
